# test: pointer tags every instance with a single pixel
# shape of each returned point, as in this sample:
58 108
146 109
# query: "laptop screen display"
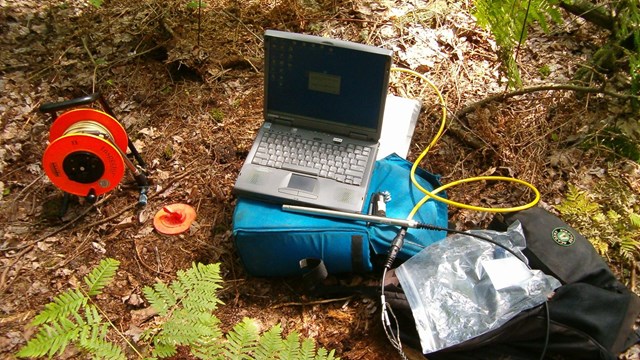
326 80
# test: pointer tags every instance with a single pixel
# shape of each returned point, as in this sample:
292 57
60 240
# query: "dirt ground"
186 83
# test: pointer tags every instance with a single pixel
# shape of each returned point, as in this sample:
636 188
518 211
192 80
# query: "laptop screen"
323 79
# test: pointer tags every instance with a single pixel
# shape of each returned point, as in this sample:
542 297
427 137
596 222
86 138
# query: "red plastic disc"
64 121
78 164
174 219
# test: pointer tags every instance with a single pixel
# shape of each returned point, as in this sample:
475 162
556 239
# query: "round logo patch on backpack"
563 236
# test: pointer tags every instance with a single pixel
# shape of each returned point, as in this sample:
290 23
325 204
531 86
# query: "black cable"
547 331
395 247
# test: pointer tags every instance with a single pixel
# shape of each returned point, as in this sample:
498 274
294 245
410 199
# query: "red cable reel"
87 150
84 156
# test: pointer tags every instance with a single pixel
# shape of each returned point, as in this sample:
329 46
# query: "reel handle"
53 107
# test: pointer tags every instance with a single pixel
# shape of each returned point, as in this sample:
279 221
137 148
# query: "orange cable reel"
174 219
85 153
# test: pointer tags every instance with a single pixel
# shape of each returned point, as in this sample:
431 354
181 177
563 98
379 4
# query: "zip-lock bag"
273 242
590 316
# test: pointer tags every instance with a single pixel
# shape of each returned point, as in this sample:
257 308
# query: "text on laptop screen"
325 82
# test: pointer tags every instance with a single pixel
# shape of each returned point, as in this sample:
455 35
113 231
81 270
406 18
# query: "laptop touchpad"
302 183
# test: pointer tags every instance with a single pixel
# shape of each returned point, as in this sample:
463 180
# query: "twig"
243 24
3 277
135 245
113 326
28 186
317 302
33 242
502 96
93 60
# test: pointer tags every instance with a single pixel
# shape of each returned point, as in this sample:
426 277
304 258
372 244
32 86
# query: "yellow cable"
432 194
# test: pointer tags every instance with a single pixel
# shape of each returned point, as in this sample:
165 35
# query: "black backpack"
591 316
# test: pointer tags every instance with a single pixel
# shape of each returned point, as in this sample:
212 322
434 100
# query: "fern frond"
160 297
162 350
101 275
93 341
291 349
211 348
634 219
242 340
508 22
186 328
270 343
51 339
307 349
578 203
601 247
323 354
66 303
201 283
629 248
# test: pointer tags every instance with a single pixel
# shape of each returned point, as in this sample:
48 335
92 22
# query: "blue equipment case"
272 242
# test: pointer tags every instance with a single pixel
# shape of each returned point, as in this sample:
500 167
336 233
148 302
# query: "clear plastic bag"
462 287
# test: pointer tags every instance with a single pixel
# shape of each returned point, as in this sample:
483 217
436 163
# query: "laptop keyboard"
345 163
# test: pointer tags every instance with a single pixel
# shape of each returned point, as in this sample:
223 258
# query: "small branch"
593 13
502 96
326 301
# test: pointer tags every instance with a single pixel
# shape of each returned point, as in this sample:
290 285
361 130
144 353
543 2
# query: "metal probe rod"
350 216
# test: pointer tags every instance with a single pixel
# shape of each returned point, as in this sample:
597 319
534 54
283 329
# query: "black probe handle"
53 107
396 245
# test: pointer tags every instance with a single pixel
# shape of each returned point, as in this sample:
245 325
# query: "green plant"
508 21
615 139
195 4
217 114
544 71
71 319
608 217
185 308
628 30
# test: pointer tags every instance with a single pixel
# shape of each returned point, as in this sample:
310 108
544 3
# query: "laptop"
324 103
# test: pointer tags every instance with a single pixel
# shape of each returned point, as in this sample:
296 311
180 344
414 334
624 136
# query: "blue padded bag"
272 242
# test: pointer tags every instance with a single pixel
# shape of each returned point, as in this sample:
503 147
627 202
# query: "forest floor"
187 85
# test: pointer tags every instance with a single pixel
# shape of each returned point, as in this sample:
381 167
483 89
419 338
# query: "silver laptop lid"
325 84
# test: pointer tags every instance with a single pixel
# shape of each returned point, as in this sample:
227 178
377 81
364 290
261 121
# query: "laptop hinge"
355 135
276 119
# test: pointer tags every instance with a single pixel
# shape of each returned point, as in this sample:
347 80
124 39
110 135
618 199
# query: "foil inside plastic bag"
463 287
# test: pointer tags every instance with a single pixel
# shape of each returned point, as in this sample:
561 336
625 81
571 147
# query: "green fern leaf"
508 22
100 276
634 219
66 303
629 247
291 349
242 340
211 348
323 354
186 328
51 339
270 344
307 349
162 350
160 297
92 339
201 282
